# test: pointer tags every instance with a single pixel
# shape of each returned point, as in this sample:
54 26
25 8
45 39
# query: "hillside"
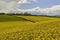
29 28
7 18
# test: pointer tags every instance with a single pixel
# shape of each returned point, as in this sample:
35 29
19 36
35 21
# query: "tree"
26 13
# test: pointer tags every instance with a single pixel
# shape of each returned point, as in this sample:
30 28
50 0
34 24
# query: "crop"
42 28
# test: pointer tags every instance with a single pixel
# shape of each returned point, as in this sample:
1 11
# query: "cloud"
52 11
11 5
26 1
23 1
7 6
34 0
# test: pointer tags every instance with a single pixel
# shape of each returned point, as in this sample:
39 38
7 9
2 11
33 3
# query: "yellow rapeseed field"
30 28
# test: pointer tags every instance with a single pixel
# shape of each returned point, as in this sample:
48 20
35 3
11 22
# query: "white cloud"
23 1
34 0
11 5
26 1
52 11
7 6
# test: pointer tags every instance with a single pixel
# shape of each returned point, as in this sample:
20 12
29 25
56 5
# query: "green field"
29 28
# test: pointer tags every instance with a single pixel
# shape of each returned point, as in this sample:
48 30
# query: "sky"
41 3
38 7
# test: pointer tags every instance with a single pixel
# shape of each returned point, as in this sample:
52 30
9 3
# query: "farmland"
29 28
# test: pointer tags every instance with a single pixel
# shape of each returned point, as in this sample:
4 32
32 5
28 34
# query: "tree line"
26 13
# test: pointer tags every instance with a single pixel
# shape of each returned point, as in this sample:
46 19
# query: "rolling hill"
29 28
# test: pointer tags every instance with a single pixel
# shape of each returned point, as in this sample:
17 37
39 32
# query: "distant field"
29 28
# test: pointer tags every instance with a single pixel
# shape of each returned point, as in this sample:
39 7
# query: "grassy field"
29 28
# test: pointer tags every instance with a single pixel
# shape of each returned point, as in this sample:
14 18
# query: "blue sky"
41 3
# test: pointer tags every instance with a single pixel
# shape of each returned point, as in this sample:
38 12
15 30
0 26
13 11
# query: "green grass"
7 18
29 28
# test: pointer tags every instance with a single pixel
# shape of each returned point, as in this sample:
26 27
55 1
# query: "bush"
2 13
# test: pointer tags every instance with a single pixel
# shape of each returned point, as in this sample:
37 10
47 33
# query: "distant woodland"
26 13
